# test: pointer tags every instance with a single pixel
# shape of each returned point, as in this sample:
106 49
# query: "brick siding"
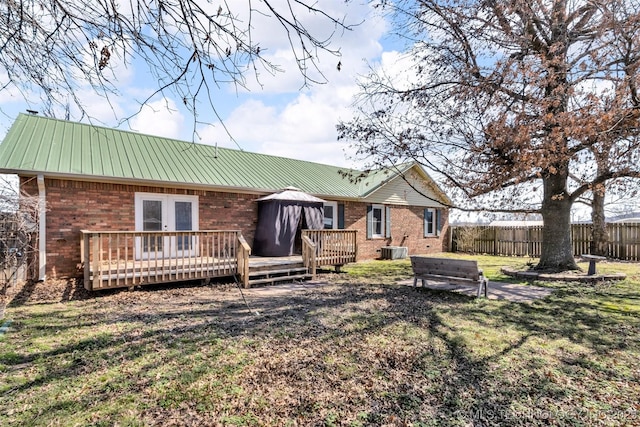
407 229
77 205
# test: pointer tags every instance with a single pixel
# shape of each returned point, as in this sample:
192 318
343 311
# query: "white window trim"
334 205
383 222
434 226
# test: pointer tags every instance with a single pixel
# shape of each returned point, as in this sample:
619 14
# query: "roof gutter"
168 184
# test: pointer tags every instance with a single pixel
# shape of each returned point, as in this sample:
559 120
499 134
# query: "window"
377 218
330 215
183 222
432 224
378 221
152 221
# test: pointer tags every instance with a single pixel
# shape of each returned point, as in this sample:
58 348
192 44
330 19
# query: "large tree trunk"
599 235
557 248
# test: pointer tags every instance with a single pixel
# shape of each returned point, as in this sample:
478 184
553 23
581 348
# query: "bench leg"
484 283
415 281
592 268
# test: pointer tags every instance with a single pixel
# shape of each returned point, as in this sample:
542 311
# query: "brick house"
99 179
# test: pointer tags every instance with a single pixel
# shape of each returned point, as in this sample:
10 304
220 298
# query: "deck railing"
113 259
332 247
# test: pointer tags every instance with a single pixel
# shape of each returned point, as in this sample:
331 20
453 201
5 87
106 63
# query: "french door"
166 212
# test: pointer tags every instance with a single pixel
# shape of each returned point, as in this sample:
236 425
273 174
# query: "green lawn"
360 352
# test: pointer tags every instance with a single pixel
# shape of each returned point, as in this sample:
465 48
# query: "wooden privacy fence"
624 240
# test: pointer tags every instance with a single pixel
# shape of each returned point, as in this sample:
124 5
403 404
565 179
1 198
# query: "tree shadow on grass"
573 313
587 354
356 354
46 292
23 294
301 338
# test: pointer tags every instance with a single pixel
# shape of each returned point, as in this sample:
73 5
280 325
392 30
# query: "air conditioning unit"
393 252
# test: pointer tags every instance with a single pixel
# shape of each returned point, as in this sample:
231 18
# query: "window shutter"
425 225
369 222
387 215
341 216
438 221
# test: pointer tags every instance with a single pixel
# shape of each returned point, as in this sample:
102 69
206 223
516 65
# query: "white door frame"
334 218
168 222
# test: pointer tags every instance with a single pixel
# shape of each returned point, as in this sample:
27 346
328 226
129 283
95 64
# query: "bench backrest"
462 268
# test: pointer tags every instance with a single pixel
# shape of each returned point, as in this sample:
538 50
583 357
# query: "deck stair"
265 274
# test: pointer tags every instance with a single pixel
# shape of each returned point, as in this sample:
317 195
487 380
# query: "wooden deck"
144 272
116 259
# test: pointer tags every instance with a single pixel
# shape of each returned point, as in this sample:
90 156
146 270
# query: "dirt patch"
61 290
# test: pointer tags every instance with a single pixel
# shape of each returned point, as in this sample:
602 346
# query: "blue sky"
278 118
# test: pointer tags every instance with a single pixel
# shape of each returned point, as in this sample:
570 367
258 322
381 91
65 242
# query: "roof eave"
160 183
140 181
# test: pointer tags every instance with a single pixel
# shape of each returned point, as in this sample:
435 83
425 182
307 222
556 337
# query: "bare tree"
19 215
507 100
54 47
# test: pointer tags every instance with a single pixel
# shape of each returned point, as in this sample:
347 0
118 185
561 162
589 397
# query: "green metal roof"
40 145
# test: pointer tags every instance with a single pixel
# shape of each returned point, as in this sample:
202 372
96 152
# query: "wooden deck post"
309 255
244 251
85 258
96 261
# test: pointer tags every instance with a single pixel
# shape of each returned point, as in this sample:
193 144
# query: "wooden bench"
453 271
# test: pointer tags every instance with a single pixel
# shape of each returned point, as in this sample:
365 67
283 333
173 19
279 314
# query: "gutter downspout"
42 231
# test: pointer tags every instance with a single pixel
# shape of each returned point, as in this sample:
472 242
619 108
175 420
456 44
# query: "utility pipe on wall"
42 232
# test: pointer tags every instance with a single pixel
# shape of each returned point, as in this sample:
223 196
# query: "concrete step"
279 279
274 273
275 267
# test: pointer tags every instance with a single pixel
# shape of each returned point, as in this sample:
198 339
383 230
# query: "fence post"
610 247
452 230
623 242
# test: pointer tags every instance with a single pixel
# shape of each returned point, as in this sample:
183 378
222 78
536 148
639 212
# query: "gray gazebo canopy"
281 217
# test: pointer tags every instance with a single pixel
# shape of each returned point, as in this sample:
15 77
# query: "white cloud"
10 92
160 118
361 42
304 128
